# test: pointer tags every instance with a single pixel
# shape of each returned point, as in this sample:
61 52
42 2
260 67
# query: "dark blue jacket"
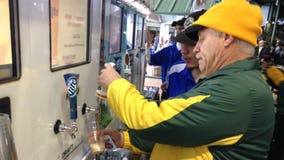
165 58
180 80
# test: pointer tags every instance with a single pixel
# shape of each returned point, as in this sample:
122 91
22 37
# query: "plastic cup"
96 142
95 137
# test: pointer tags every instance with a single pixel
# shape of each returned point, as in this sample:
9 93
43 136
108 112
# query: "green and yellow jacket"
227 116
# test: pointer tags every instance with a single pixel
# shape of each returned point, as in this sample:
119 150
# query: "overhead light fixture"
128 1
140 7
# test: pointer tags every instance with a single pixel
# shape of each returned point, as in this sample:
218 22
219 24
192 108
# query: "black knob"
56 126
84 108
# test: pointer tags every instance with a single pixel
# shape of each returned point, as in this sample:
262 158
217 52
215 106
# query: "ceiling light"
138 6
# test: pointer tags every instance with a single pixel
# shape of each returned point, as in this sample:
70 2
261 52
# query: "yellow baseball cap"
235 17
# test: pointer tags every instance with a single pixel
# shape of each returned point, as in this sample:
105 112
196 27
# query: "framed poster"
9 41
69 33
115 29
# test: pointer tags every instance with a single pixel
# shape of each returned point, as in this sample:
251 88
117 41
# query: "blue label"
72 88
71 81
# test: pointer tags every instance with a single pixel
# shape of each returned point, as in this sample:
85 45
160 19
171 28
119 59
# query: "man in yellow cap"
229 114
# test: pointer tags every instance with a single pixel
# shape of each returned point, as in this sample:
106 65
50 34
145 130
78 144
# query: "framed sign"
115 29
9 41
69 33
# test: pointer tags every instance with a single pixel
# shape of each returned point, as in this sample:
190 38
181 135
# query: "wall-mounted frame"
115 29
9 41
69 33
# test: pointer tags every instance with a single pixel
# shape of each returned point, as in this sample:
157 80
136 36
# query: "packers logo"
188 22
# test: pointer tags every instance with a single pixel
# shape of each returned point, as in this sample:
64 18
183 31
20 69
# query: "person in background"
276 77
167 56
278 53
261 49
184 74
266 62
229 115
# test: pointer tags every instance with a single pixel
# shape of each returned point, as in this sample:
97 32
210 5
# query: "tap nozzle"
73 136
74 126
62 127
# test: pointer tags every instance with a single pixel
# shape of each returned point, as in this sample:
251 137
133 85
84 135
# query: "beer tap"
127 70
71 81
62 127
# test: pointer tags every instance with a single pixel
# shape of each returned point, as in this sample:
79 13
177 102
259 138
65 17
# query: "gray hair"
245 46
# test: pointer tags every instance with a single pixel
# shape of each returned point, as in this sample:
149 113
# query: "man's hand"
116 136
107 76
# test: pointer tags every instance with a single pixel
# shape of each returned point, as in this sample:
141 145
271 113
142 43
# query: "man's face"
261 43
189 56
208 50
178 29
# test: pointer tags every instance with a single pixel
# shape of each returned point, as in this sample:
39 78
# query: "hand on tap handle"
107 76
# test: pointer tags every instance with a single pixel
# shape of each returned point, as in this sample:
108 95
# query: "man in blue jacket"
167 56
184 74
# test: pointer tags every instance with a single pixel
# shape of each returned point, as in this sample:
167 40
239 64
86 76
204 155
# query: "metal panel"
174 7
182 6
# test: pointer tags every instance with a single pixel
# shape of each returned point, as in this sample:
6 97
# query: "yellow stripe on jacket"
134 110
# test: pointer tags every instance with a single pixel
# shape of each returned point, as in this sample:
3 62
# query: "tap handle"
84 108
127 58
56 126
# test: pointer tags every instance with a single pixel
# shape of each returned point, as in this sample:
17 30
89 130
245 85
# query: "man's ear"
228 39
